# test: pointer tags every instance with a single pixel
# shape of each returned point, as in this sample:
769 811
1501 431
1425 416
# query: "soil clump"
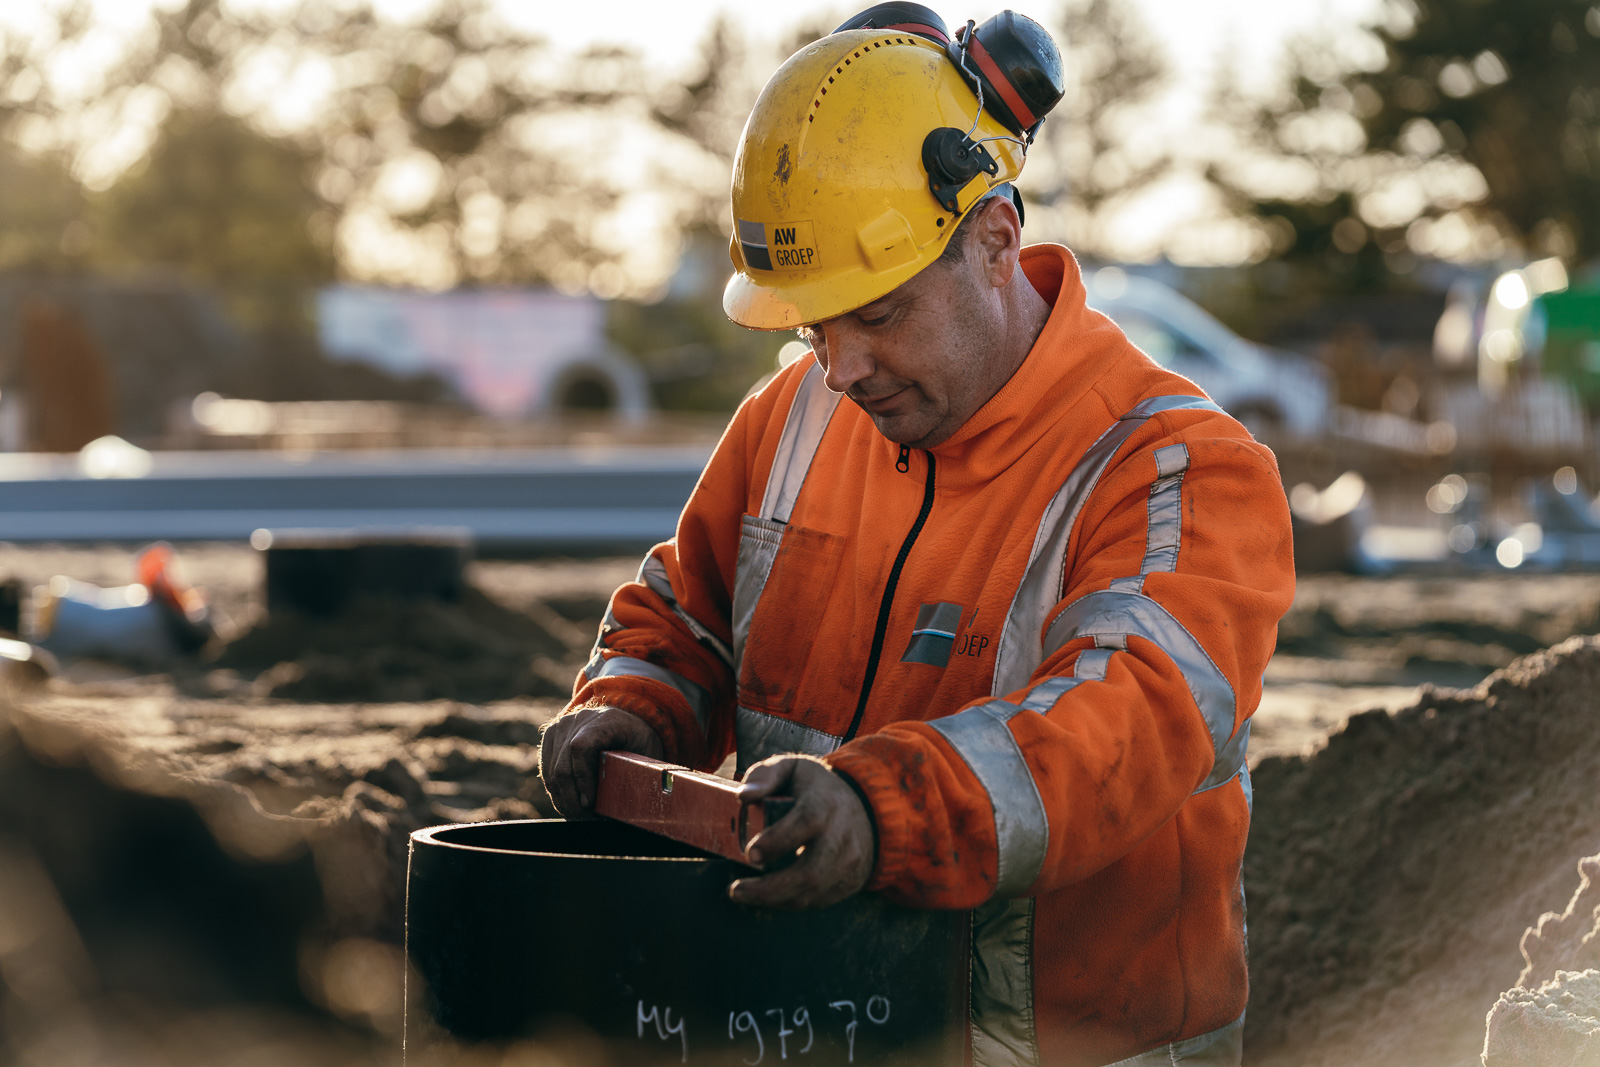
1390 875
1567 940
1552 1015
389 650
1556 1024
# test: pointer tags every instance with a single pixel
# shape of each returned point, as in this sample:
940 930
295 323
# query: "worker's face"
914 360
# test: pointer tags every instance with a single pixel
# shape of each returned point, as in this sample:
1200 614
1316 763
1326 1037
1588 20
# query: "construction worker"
999 621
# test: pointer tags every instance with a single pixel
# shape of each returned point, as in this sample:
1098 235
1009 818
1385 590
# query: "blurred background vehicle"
1269 391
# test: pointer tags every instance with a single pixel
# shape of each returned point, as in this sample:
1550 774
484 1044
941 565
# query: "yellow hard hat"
833 206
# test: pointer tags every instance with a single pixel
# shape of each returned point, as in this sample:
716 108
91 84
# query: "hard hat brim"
786 305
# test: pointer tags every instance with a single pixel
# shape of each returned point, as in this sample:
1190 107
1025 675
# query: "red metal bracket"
693 807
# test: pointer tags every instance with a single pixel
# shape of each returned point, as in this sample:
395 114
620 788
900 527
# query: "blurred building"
507 352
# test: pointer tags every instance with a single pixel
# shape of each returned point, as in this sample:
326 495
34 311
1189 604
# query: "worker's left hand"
828 821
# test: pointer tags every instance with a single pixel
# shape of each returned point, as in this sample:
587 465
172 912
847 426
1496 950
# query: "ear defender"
1012 65
1019 67
901 18
1015 69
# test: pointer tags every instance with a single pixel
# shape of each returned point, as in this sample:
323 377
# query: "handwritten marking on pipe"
784 1033
746 1027
850 1029
802 1017
746 1023
663 1024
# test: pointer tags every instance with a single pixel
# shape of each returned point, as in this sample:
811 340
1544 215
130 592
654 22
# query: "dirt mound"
1556 1025
1390 875
388 650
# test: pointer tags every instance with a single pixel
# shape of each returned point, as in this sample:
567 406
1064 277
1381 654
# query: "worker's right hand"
570 748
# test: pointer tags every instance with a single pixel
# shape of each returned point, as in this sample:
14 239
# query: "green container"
1572 340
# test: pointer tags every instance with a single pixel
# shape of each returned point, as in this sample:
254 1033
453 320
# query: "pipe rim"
425 836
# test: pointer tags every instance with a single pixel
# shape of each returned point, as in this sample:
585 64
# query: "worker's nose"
846 356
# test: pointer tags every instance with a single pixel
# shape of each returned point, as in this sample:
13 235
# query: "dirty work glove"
829 823
570 747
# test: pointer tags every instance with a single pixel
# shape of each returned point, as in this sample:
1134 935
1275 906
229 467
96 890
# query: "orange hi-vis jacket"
1034 648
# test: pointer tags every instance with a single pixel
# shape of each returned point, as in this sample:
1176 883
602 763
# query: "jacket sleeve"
1176 573
665 646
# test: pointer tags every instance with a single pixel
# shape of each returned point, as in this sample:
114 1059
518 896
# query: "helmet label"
781 246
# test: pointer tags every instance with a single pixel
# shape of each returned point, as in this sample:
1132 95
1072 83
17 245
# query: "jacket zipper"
888 590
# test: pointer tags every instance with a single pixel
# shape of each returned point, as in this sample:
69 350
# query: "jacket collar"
1075 348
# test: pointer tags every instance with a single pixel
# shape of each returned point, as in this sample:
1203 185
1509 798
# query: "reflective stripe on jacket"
1035 648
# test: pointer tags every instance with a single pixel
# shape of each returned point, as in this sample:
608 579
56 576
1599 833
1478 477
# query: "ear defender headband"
1012 65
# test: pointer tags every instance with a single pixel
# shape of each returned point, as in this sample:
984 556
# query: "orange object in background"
186 606
154 573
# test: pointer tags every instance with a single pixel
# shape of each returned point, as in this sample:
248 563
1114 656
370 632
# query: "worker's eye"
875 316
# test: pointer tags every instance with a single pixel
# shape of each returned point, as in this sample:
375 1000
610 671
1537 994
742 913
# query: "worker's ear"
995 243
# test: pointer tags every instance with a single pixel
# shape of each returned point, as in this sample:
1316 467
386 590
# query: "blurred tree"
477 139
444 149
1481 112
1090 155
1315 238
227 206
41 213
1510 86
41 206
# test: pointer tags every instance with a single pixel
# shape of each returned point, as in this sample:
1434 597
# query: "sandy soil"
427 727
1391 876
